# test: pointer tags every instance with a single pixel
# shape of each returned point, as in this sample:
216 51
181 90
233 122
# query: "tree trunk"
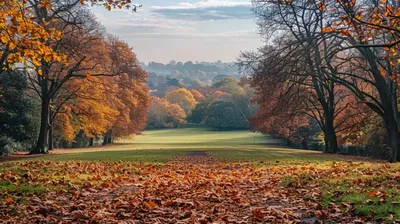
332 138
107 138
41 144
91 143
394 137
326 146
305 144
50 137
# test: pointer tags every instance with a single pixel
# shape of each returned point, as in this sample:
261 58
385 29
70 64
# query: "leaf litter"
188 189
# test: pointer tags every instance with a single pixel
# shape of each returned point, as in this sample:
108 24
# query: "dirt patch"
196 153
195 157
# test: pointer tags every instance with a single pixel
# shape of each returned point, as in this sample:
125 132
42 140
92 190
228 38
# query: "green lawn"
161 145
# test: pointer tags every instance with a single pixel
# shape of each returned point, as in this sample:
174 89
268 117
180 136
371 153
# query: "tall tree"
83 48
370 29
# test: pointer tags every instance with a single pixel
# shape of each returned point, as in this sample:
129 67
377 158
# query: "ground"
197 176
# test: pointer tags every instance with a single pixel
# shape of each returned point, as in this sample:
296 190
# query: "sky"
188 30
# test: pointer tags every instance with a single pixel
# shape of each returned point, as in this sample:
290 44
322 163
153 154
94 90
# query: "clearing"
198 176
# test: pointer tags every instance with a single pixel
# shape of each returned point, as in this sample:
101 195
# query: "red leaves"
258 215
184 191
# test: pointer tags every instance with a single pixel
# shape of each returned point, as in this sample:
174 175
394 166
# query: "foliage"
115 105
16 124
183 97
163 114
224 116
174 82
25 37
224 81
326 190
199 113
197 95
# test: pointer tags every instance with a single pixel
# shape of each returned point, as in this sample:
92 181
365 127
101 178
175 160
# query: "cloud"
204 37
206 10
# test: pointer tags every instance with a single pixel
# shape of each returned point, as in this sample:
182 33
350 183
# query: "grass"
159 146
162 145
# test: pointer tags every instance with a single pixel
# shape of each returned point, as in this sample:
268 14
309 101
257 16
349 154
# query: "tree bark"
394 137
41 144
332 138
91 143
107 138
326 140
50 137
305 144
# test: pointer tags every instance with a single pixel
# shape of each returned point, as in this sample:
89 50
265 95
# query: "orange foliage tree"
24 34
163 114
85 53
112 106
197 95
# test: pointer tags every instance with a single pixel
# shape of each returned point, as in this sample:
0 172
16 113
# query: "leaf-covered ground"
197 188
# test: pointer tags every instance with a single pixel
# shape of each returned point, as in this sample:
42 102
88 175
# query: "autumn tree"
83 47
163 114
24 30
132 92
371 34
183 97
197 95
302 50
108 106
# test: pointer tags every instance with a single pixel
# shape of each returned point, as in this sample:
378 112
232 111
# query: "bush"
355 150
8 146
224 116
377 144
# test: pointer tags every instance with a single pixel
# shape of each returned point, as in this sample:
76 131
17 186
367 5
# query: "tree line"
64 77
223 105
334 64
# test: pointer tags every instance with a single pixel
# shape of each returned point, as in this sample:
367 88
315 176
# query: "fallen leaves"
182 191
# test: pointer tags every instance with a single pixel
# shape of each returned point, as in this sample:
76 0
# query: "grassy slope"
161 145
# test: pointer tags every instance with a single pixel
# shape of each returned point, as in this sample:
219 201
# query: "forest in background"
331 80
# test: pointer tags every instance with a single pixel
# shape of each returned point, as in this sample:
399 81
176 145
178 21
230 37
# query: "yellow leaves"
40 72
4 39
9 201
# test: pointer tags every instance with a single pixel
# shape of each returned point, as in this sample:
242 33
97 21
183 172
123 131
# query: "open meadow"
197 176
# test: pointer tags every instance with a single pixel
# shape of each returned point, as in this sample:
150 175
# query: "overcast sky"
196 30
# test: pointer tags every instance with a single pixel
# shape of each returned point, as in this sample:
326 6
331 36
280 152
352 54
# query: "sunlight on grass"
162 145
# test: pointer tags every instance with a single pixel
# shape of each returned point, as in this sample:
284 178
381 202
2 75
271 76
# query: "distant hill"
200 71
